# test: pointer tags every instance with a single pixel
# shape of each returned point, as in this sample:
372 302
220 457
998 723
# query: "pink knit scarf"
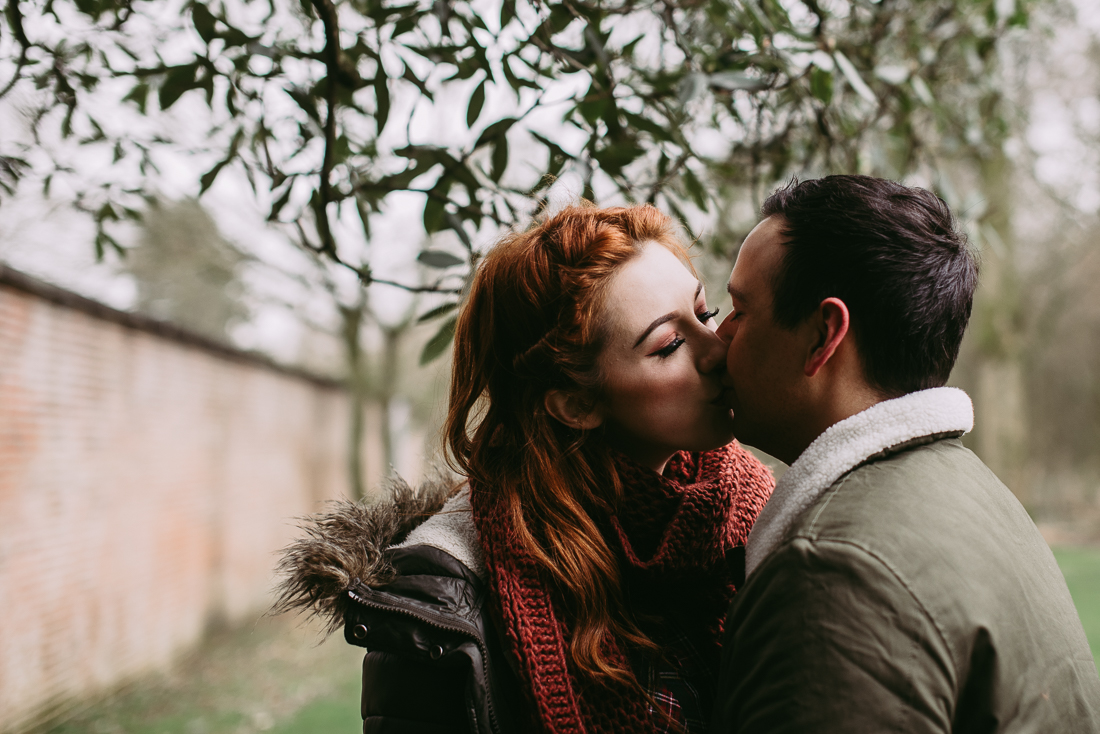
671 536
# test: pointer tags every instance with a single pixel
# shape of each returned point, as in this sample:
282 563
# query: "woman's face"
662 363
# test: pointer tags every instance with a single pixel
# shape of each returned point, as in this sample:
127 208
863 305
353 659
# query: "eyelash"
676 343
708 315
664 352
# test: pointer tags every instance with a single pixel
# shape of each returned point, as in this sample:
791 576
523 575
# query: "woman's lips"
724 398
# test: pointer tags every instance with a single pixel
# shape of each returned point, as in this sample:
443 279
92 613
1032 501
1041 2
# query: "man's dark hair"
894 256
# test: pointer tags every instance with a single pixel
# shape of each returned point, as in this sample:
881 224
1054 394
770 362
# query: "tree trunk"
353 319
390 353
998 326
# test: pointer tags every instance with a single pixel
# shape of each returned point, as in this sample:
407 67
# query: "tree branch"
15 21
327 12
417 288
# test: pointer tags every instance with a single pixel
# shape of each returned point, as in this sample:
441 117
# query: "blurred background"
233 235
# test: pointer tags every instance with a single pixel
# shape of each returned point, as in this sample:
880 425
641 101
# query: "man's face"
765 363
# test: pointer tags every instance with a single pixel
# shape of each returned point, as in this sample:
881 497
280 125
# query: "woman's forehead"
646 287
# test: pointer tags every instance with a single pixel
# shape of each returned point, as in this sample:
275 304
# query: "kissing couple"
611 559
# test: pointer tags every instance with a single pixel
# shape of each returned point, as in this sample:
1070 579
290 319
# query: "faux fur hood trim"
345 544
936 413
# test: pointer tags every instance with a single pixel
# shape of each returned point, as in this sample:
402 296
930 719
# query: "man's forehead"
736 293
757 259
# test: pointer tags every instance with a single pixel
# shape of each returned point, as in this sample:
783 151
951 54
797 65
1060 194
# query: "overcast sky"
45 238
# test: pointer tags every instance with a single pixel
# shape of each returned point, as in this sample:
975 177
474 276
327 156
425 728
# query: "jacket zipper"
462 629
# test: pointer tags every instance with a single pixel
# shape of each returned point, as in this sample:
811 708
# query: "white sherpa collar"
847 444
452 531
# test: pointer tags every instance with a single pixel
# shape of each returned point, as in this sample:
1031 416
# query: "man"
893 583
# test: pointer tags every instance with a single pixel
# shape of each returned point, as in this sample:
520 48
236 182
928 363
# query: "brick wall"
146 479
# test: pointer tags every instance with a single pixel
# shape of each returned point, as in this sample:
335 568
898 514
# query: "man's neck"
827 410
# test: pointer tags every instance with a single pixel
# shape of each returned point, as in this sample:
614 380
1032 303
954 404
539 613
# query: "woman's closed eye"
667 351
672 346
708 315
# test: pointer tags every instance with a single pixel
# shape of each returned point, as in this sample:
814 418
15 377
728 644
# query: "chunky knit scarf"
672 537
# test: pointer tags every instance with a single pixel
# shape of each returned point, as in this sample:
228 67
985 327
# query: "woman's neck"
655 460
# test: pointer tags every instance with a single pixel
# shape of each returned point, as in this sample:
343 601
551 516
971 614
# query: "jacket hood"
345 544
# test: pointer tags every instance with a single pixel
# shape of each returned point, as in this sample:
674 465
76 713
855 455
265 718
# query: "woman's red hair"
530 324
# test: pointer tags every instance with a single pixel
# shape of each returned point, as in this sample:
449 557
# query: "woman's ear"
571 411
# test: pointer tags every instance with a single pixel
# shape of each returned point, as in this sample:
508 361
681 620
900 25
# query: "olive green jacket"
911 594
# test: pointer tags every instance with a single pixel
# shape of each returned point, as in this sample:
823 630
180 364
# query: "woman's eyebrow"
663 319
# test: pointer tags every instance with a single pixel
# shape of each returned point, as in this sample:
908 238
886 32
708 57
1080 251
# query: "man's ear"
570 410
831 325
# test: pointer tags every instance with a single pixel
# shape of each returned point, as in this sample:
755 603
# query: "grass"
268 677
273 677
1081 567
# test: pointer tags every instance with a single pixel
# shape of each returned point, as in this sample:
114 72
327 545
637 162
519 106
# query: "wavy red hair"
532 323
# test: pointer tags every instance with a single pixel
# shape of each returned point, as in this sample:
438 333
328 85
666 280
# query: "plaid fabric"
680 684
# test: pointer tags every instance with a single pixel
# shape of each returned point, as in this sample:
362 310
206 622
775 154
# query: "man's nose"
725 329
713 354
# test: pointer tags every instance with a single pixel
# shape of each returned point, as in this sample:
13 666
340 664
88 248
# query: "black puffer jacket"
402 578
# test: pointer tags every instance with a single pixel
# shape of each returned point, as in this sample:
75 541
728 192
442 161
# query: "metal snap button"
359 631
436 652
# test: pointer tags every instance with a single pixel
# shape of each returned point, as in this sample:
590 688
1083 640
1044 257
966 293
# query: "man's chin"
743 431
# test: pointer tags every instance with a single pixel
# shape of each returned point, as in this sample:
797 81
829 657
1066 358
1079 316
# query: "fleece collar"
937 413
452 531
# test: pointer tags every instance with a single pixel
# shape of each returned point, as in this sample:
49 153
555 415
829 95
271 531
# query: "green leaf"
694 188
103 241
439 343
236 37
515 82
405 24
477 101
433 214
440 259
507 12
644 124
382 99
852 75
178 80
280 202
138 95
409 76
613 158
733 80
498 128
678 215
500 158
208 178
628 49
306 101
438 311
454 223
204 22
691 86
560 18
556 158
924 94
821 85
592 107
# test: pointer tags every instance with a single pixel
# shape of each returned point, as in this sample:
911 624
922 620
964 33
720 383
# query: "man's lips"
724 399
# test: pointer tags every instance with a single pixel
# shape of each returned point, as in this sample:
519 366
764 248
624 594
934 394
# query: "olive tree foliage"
334 107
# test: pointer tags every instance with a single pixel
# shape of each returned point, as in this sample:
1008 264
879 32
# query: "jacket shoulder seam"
898 578
829 494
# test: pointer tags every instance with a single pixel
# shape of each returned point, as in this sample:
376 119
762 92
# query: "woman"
578 580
